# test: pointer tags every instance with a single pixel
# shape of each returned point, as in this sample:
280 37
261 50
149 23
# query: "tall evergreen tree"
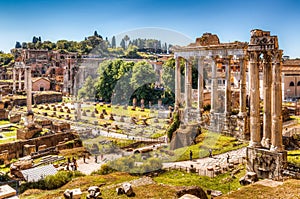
122 44
18 45
113 42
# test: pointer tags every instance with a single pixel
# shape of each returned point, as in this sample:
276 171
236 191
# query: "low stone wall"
16 149
47 97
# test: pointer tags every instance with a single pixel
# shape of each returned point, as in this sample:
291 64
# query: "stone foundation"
16 149
265 163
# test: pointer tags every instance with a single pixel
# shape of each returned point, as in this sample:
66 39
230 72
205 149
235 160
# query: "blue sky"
74 19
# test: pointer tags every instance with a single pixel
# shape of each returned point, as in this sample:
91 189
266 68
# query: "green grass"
294 157
83 183
3 122
223 182
208 140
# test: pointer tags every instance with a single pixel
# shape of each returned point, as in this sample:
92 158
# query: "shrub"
52 182
104 169
174 126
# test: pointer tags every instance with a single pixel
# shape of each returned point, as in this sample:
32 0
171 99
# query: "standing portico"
265 153
206 54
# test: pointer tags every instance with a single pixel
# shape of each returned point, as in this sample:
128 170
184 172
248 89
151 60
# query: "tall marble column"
243 69
177 82
25 80
227 92
267 83
214 85
276 139
20 78
29 89
200 83
255 137
188 84
14 80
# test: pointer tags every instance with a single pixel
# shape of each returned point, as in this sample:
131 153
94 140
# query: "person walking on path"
191 155
210 153
228 158
96 157
83 158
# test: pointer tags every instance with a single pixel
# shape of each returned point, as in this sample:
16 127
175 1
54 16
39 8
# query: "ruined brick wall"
16 149
46 97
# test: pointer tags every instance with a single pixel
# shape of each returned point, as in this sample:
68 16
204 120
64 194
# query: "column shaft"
228 89
177 82
14 79
267 120
20 78
200 83
255 137
25 80
29 89
243 68
214 85
276 105
188 84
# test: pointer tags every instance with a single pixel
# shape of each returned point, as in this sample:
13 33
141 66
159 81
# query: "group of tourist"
72 164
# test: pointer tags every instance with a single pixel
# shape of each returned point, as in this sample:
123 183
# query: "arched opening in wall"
298 84
292 83
42 88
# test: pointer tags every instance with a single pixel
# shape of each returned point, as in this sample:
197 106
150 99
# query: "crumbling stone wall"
16 149
47 97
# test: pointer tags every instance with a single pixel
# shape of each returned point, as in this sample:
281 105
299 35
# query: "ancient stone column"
25 80
255 137
177 82
29 89
243 68
276 139
267 82
188 84
214 85
227 93
14 80
20 78
200 83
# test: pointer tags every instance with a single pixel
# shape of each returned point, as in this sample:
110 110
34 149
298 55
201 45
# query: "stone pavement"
201 164
219 162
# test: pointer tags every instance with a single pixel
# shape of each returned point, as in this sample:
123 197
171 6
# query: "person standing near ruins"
210 153
191 155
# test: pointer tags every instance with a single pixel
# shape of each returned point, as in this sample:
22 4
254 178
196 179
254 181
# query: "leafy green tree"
18 45
88 90
5 58
24 45
35 39
142 81
132 52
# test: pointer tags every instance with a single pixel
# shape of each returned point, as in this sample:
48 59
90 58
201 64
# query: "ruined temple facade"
260 58
216 64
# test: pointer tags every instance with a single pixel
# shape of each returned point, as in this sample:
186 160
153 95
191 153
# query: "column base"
266 143
276 148
254 144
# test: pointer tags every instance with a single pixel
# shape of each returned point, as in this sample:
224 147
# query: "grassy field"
223 182
165 185
294 157
289 190
208 140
